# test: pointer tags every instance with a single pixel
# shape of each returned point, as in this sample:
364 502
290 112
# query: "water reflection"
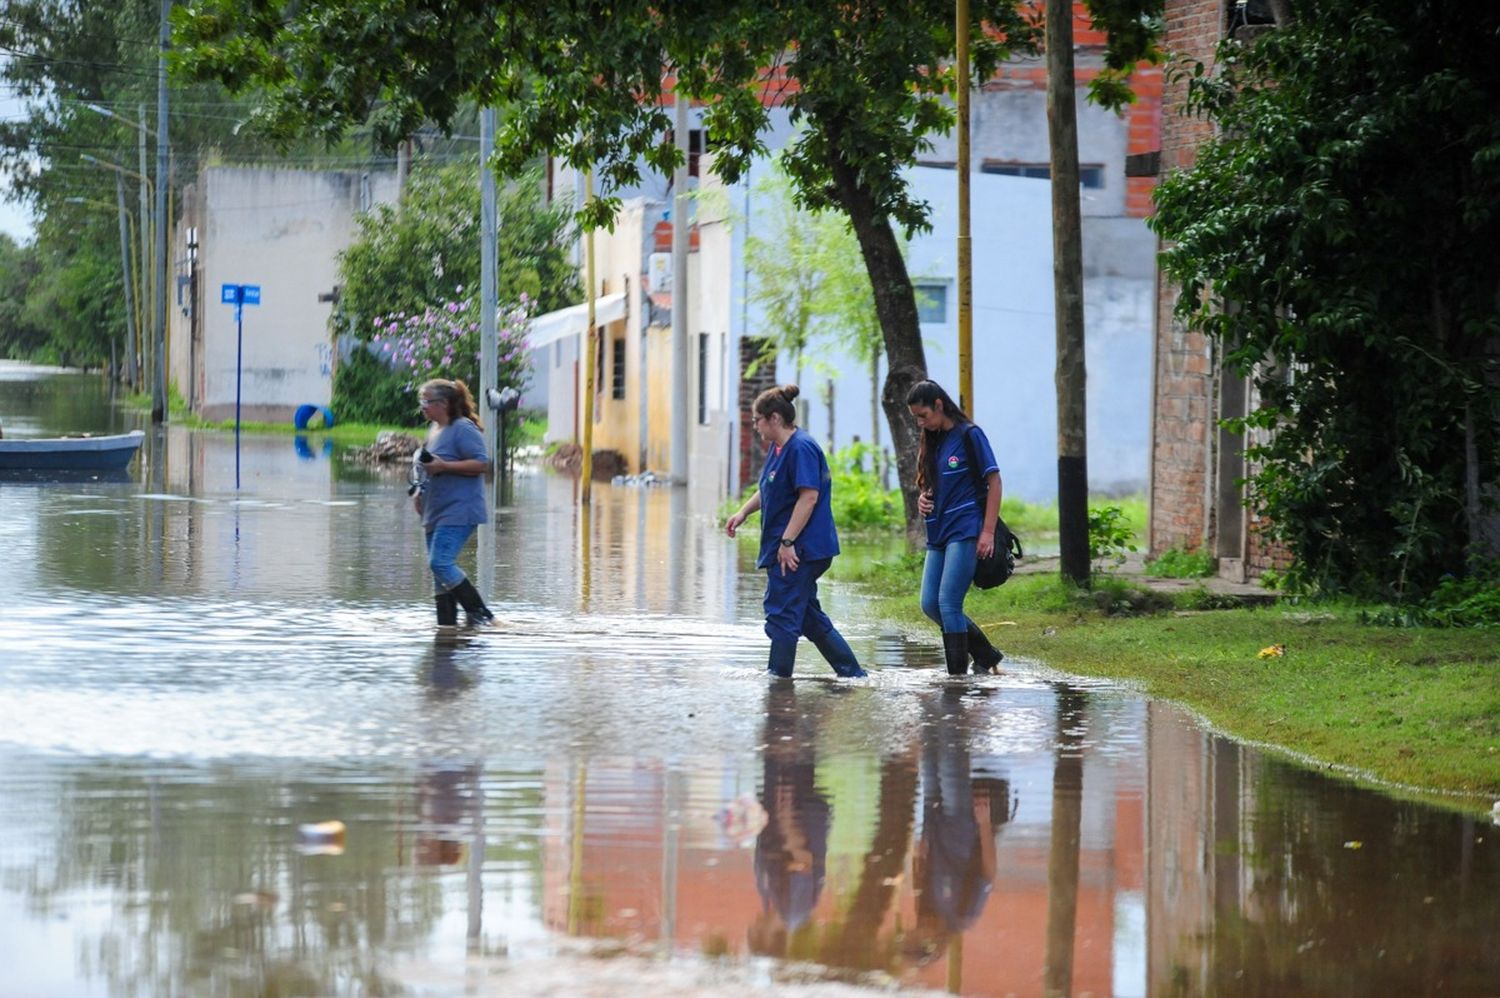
192 673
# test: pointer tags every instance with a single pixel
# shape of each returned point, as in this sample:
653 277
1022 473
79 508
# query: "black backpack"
994 570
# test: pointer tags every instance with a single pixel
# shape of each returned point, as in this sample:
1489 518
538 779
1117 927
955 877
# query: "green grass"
1414 707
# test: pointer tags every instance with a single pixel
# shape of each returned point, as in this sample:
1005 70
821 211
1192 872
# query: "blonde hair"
455 395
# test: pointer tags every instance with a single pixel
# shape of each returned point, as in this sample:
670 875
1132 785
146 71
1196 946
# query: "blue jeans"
946 578
443 545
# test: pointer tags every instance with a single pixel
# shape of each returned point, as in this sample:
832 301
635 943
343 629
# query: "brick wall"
1182 441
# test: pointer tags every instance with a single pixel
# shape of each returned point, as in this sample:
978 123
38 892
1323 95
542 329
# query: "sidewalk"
1134 571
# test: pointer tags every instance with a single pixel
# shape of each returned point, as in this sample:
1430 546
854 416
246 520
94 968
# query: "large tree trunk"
896 305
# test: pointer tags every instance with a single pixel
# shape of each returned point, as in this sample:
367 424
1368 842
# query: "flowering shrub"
442 341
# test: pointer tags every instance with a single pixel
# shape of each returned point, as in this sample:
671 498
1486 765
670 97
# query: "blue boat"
105 453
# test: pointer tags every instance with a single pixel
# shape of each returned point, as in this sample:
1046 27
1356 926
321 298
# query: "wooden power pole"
1067 278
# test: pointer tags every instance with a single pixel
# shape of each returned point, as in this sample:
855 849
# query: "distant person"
958 494
450 496
798 540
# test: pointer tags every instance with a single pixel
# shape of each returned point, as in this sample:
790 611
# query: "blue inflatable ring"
315 414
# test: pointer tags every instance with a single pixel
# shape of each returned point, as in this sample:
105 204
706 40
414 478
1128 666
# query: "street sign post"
238 295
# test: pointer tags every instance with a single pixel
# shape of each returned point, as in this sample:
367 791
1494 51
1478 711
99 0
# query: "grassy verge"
1417 707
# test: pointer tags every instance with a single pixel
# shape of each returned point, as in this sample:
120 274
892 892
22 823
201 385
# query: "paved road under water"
604 795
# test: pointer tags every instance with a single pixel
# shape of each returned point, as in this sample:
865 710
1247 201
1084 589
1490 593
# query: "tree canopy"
1336 241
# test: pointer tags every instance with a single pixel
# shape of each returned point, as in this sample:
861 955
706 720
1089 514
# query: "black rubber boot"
956 653
447 610
468 597
987 657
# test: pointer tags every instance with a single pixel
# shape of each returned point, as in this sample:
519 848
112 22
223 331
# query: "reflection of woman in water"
792 849
954 864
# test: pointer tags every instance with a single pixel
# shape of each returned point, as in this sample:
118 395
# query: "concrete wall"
1015 337
283 230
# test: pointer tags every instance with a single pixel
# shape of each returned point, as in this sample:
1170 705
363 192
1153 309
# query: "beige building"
281 230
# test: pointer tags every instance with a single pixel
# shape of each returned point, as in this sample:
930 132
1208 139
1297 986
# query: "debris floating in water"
321 838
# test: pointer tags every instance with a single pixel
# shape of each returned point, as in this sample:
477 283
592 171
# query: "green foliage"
420 251
859 502
1110 536
1179 563
1355 169
409 289
64 302
1473 601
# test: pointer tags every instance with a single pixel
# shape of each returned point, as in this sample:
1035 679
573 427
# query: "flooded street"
604 794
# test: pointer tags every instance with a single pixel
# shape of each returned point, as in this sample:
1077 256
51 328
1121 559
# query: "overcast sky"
14 220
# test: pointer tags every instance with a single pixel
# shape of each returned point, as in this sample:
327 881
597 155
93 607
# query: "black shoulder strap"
981 484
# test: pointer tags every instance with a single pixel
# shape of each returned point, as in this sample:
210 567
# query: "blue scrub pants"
946 577
443 545
792 611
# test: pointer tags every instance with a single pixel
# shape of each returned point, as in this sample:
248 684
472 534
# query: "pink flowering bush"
442 341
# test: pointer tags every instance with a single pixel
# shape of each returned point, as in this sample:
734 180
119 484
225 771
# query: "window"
1090 175
702 379
932 302
617 372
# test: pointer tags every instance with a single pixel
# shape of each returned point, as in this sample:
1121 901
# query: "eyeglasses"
425 402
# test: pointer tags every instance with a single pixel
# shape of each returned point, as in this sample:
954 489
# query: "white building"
281 230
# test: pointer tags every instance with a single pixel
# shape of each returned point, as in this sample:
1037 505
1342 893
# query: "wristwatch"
787 542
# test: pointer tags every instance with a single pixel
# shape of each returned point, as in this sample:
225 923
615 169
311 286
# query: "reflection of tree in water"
1299 909
206 891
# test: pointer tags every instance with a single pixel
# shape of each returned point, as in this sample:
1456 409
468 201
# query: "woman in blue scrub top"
798 540
953 459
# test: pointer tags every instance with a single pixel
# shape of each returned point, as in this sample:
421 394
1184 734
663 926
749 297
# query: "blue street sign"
239 294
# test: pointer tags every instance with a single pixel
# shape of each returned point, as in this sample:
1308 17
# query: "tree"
62 56
785 278
868 80
1334 242
410 280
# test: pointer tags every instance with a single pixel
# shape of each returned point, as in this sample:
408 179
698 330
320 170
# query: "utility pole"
591 354
125 266
1067 280
489 351
680 236
163 182
148 255
965 243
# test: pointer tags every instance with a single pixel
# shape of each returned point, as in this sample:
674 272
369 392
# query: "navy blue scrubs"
957 500
791 600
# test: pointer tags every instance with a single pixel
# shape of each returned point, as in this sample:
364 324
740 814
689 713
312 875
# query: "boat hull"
70 453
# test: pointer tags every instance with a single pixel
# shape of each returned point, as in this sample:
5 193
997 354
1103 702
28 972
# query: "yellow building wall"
659 402
617 421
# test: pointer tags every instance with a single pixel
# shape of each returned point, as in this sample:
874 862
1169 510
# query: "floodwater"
604 795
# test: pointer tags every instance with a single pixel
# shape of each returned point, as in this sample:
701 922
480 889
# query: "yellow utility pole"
591 354
965 245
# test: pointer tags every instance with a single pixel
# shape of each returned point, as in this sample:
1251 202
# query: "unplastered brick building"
1197 467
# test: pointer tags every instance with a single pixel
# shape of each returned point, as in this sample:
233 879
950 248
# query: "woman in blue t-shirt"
797 537
451 497
958 494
